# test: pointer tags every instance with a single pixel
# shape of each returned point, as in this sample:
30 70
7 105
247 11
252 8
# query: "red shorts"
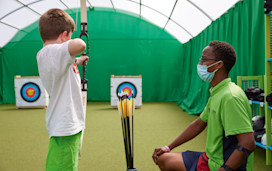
202 164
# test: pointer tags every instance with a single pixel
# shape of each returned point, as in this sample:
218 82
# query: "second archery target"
30 92
126 84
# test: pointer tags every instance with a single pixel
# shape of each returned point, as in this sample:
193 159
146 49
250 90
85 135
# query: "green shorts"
63 153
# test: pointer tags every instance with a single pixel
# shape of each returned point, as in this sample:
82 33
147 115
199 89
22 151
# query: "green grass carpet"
24 140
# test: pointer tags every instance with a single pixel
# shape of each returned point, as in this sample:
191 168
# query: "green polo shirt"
228 111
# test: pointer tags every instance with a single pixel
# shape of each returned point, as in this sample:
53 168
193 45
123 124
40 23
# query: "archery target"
30 92
127 87
126 84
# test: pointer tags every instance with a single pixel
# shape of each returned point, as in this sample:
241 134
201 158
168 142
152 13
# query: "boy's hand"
80 60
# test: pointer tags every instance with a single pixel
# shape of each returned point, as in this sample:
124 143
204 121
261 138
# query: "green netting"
124 44
256 109
270 33
250 83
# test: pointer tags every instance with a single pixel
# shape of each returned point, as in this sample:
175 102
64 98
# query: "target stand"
30 92
127 84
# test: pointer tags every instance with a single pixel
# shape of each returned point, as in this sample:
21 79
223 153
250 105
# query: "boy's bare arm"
76 46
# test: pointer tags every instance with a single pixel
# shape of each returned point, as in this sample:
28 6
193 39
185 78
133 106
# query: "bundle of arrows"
126 108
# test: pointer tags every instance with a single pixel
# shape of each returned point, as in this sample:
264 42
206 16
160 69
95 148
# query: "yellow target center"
127 91
30 92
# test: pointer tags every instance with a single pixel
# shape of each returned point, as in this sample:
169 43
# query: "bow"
84 32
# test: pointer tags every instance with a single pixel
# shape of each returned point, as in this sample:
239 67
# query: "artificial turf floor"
24 140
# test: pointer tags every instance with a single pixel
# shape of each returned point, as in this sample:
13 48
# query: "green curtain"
243 28
120 44
1 76
124 44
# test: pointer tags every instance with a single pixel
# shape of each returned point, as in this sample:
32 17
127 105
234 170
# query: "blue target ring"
30 92
127 87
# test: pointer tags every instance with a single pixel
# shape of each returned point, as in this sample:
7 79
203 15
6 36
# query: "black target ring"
30 92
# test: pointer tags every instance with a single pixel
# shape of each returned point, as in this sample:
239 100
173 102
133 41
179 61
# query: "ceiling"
184 19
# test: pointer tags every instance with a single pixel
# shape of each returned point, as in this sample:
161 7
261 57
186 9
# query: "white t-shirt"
60 77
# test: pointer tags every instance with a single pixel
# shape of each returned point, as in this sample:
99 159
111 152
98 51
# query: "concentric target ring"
127 87
30 92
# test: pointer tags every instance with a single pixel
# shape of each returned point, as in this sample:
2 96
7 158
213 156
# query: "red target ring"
30 92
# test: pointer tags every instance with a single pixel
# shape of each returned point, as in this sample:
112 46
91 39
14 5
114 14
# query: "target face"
30 92
127 87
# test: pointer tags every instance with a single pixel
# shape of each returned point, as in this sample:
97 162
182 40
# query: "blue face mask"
203 73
